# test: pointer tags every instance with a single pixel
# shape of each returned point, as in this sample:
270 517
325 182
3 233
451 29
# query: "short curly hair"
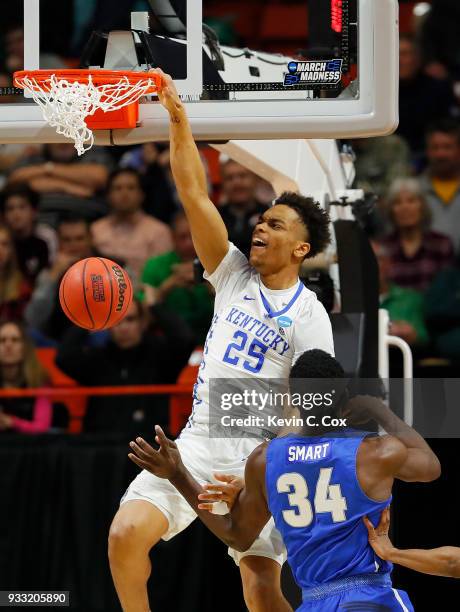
315 219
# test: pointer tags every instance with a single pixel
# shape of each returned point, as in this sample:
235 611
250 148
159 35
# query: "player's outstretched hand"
378 536
227 491
168 95
165 462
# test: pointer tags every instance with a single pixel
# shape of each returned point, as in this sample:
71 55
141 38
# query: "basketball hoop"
76 102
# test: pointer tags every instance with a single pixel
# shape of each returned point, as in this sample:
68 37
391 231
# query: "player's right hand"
378 536
227 492
167 95
164 463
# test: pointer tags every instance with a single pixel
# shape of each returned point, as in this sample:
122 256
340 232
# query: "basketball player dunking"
264 318
318 485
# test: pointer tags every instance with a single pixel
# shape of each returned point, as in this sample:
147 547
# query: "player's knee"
130 534
123 535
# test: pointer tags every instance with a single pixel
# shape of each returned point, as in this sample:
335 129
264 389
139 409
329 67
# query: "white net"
66 105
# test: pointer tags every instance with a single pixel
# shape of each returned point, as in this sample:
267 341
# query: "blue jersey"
317 503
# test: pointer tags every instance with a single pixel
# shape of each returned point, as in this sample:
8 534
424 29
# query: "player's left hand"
227 492
378 536
165 462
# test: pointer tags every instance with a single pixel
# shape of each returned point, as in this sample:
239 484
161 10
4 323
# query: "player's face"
128 333
238 184
11 345
407 210
126 195
279 240
19 215
75 240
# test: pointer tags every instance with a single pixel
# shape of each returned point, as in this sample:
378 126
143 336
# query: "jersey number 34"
328 498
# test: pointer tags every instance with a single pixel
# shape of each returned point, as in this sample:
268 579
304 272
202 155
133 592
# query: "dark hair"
316 371
20 191
444 126
316 364
315 219
119 172
72 219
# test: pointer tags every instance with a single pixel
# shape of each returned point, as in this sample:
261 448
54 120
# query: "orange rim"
99 77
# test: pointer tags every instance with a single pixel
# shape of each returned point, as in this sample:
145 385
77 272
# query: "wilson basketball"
95 293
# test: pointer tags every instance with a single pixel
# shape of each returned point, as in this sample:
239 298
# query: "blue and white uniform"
318 505
257 333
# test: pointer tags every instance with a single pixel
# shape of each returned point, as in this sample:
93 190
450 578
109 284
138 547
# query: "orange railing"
176 413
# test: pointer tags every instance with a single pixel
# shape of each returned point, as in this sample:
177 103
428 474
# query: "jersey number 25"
328 498
256 350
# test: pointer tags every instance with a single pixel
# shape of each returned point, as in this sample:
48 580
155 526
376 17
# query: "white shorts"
203 456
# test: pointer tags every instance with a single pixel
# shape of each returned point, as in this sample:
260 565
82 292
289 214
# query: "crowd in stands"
57 208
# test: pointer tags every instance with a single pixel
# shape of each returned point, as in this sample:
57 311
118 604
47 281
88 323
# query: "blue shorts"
371 593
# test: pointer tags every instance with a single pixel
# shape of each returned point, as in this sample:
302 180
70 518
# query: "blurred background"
63 446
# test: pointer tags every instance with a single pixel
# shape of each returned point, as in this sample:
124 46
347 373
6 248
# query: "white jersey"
255 331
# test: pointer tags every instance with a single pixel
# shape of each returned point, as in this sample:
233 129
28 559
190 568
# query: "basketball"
95 293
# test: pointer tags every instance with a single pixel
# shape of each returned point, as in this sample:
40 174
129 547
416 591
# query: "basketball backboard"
317 69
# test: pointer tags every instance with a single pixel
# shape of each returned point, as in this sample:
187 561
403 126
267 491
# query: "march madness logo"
323 72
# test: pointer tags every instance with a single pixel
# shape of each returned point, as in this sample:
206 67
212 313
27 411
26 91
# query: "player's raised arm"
444 561
250 512
208 230
404 452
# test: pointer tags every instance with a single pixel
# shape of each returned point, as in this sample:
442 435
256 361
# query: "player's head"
293 229
19 207
317 384
74 237
125 193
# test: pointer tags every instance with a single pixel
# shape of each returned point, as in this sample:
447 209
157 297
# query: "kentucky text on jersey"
266 334
313 452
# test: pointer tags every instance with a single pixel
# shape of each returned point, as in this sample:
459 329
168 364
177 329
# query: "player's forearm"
186 165
395 426
209 233
443 561
422 465
221 526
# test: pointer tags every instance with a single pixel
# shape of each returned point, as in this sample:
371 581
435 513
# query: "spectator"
19 209
440 36
172 276
128 233
405 306
241 210
151 160
379 161
67 183
14 289
441 182
20 368
442 311
416 252
44 313
131 357
422 98
14 49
